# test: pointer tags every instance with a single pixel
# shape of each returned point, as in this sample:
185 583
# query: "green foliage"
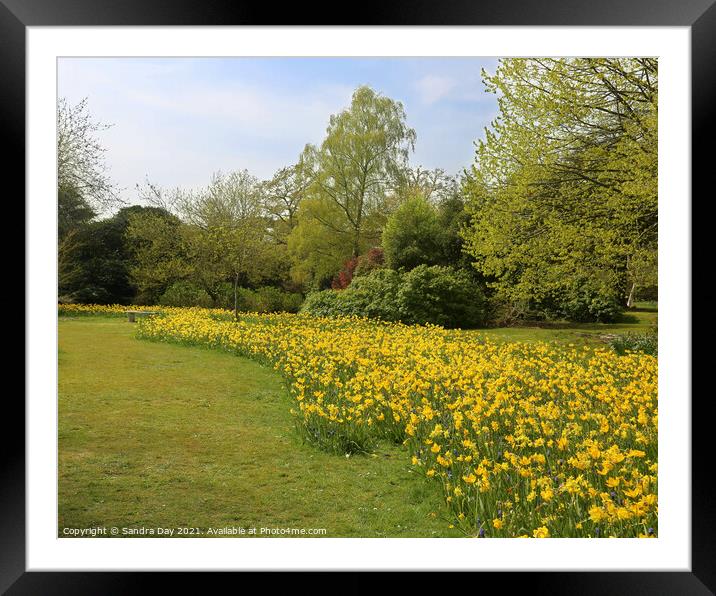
372 260
101 260
374 295
159 248
73 211
412 235
452 219
442 296
263 299
186 293
636 342
364 153
325 303
589 302
437 295
281 198
564 186
73 216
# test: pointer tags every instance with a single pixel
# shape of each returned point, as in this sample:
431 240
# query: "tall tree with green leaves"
563 192
353 174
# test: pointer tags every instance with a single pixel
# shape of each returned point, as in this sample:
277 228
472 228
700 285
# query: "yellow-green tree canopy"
353 174
563 191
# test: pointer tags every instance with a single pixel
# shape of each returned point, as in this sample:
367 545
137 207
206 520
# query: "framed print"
372 291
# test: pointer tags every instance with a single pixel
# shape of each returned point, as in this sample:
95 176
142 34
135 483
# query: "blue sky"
177 120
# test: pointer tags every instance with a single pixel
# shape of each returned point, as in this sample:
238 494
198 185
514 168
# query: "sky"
175 121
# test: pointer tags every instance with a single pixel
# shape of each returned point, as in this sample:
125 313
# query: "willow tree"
563 191
353 173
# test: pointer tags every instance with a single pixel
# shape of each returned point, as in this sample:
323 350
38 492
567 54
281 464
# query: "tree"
80 156
99 267
642 271
229 198
281 198
159 245
453 218
353 173
563 191
434 185
73 212
73 216
412 235
238 252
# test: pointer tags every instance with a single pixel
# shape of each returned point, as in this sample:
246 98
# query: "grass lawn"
638 320
156 435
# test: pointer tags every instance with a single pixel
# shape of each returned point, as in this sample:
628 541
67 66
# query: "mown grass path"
157 435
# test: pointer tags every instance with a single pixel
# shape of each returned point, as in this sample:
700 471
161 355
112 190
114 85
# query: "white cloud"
253 111
433 88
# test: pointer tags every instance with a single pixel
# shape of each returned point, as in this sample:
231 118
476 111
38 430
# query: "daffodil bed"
527 439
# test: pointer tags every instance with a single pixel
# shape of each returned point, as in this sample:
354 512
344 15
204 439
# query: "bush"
648 343
184 293
264 299
587 305
442 296
372 260
375 295
587 300
437 295
647 294
326 303
291 302
344 277
90 295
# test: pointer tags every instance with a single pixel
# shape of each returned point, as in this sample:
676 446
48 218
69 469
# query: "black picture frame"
699 15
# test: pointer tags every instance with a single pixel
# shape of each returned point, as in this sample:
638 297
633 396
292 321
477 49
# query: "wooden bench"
132 314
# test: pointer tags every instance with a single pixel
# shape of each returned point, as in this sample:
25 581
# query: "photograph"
357 296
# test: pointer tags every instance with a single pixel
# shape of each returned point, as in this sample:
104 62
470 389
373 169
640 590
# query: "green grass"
638 320
156 435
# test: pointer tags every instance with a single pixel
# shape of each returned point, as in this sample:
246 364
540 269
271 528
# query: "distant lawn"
156 435
638 320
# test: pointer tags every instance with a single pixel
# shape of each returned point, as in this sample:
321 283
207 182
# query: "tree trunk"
630 299
236 297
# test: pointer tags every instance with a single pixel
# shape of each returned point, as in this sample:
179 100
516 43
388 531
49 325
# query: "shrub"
503 312
587 300
437 295
91 295
264 299
442 296
588 305
372 260
184 293
375 295
326 303
344 277
291 301
648 343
